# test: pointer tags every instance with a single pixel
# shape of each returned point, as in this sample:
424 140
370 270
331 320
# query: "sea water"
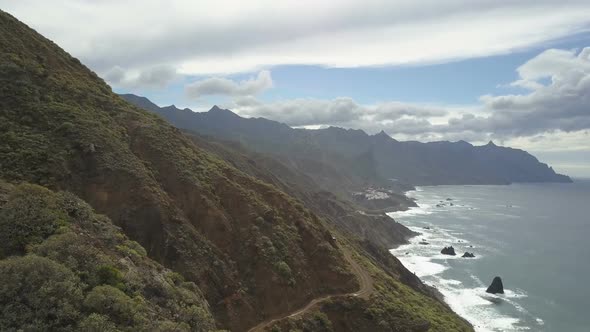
536 237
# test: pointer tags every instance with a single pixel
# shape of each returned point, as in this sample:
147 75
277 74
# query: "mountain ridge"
411 162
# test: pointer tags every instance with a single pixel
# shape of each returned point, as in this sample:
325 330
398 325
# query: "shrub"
38 294
109 275
175 278
283 269
132 249
74 206
112 302
30 215
97 323
73 251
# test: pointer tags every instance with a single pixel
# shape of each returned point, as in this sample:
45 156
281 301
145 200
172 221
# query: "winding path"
365 290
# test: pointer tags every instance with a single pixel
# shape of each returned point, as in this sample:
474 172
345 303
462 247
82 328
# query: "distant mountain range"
345 158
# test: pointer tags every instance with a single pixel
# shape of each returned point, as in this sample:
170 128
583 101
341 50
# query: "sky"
515 72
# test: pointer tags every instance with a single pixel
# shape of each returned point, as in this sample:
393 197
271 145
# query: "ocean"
536 237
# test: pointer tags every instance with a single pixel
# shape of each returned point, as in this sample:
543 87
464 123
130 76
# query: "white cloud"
342 111
153 77
562 104
224 86
557 105
229 36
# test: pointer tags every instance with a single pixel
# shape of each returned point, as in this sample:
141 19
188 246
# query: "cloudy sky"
516 72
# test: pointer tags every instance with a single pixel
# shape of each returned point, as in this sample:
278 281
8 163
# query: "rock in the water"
425 243
496 287
448 251
468 255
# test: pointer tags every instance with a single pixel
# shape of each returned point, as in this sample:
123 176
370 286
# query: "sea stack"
496 287
448 251
468 255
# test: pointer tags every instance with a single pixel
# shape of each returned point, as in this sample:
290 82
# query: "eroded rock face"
448 251
496 287
468 255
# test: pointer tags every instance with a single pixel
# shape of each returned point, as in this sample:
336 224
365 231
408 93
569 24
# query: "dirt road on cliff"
365 290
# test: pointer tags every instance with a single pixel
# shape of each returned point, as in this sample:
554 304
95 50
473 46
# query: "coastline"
461 282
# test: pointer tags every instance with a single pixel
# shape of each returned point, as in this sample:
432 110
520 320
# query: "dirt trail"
365 290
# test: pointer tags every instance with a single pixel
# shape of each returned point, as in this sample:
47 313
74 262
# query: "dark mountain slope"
252 250
246 244
346 215
364 158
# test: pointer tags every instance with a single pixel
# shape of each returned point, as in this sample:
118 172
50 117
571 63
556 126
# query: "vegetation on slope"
250 249
246 244
400 302
64 267
348 217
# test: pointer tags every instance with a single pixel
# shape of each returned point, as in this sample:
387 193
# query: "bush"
113 303
283 269
74 206
38 294
97 323
132 249
73 251
109 275
30 215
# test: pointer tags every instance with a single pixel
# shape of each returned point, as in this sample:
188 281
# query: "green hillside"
241 249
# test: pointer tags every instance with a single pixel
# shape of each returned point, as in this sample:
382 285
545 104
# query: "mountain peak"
216 108
382 135
491 143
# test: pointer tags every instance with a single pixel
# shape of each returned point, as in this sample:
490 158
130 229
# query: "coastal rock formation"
468 255
448 251
496 287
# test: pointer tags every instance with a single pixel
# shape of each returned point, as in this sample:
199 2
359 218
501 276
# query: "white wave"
475 305
426 261
421 266
422 209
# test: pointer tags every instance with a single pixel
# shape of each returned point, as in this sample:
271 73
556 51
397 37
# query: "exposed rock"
496 287
90 148
426 227
449 199
424 243
468 255
448 251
